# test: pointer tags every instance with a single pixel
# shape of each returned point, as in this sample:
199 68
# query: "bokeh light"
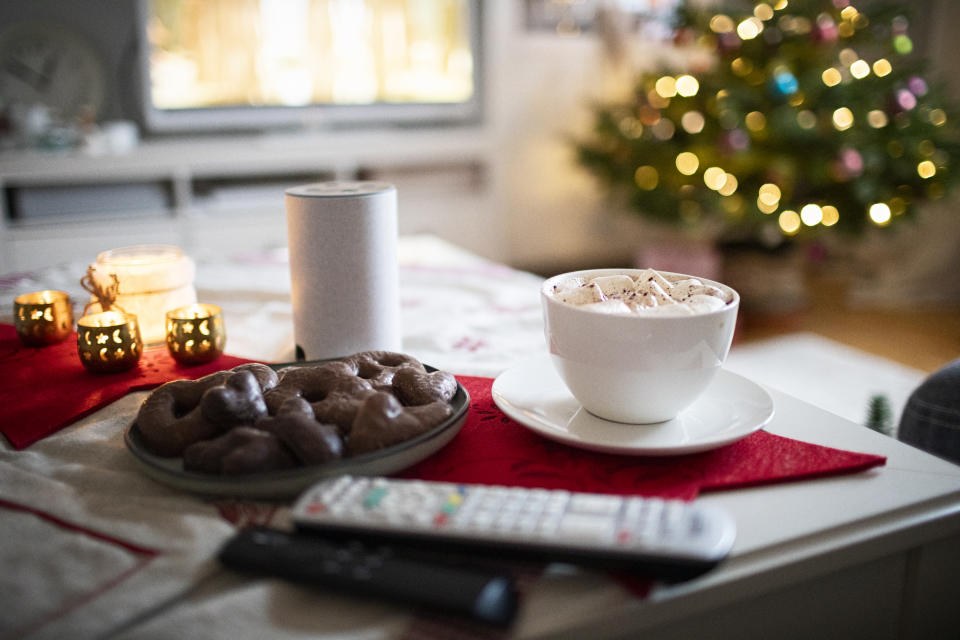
903 44
687 163
806 119
721 24
877 119
687 86
842 119
666 87
730 185
755 121
692 122
811 214
769 194
926 169
831 77
749 28
741 66
882 67
860 69
646 177
763 11
714 178
830 215
789 222
880 213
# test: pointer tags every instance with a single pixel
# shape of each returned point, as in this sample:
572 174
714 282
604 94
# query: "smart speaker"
343 268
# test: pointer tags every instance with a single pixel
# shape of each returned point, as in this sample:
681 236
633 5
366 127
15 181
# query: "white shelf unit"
225 193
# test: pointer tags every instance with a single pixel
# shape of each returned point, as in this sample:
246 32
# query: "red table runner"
493 449
43 389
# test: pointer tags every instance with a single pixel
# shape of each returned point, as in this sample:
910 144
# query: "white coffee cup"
635 368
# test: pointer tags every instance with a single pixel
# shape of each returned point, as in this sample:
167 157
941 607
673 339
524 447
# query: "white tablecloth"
88 543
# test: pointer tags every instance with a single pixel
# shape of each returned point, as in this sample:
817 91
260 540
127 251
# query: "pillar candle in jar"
43 318
195 333
152 279
109 341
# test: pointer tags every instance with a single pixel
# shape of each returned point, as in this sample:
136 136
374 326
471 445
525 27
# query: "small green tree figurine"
879 415
813 115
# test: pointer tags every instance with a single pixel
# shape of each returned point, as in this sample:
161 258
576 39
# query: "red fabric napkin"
493 449
45 389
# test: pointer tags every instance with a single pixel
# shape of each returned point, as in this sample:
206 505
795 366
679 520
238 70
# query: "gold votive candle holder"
109 341
43 318
195 333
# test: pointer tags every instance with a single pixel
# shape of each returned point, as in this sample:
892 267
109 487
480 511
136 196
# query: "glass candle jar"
43 318
152 279
109 341
195 333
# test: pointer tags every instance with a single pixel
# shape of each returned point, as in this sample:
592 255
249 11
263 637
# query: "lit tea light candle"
150 280
109 341
43 318
195 333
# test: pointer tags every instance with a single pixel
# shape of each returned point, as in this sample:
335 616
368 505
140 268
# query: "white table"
88 542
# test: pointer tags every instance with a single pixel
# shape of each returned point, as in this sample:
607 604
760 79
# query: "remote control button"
547 526
361 573
595 504
527 524
374 497
585 528
330 566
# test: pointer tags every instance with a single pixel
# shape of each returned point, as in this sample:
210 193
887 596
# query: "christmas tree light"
814 117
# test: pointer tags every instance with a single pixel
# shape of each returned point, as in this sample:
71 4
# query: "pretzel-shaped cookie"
239 451
382 421
310 441
179 413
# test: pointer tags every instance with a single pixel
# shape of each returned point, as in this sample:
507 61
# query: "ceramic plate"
731 408
290 482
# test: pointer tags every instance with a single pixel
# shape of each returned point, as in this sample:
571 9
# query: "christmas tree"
813 116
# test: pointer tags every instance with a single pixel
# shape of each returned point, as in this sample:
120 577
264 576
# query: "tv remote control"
667 539
375 570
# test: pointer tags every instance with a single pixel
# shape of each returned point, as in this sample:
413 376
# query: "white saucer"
731 408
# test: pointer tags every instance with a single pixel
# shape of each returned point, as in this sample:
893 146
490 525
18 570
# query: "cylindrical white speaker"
343 268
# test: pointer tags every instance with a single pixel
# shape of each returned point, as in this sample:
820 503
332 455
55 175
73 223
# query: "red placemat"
45 389
493 449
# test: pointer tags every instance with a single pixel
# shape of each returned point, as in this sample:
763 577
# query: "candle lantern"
150 280
195 333
109 341
43 318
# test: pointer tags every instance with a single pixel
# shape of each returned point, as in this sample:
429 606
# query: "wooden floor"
925 339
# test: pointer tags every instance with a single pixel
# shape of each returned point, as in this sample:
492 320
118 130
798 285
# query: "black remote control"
375 570
666 539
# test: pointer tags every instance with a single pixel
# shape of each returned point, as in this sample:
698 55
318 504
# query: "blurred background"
804 151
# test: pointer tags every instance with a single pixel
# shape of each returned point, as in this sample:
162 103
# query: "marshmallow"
585 293
608 306
615 286
647 292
